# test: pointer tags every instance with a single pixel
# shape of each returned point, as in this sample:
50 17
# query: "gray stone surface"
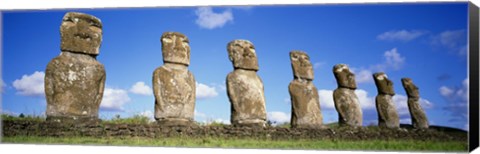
74 81
386 110
344 97
173 84
303 94
419 119
81 33
244 86
175 48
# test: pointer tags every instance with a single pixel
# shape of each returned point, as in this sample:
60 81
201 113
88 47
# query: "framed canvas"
345 77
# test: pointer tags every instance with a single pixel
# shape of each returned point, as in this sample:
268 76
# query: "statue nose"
247 52
81 25
303 60
178 43
83 28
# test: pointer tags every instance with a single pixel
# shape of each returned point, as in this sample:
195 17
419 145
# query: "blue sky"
426 42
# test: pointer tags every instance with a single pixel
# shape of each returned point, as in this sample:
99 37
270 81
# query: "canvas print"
368 77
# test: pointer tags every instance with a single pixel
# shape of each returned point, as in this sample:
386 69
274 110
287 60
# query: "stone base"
390 125
249 123
344 124
15 128
313 126
73 120
176 122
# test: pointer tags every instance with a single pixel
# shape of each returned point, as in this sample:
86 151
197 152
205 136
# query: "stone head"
410 88
384 85
81 33
345 78
242 54
175 48
301 65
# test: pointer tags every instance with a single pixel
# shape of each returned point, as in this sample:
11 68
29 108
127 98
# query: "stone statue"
303 94
173 84
74 81
344 97
419 119
244 86
386 110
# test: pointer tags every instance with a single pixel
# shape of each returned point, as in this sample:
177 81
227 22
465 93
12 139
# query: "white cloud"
141 89
450 38
318 65
204 91
363 76
460 93
393 59
114 99
445 91
278 117
220 86
401 104
366 102
400 35
30 85
148 114
203 119
457 100
287 100
453 40
326 99
211 20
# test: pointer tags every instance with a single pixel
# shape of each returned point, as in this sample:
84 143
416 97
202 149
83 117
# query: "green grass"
249 143
21 117
136 119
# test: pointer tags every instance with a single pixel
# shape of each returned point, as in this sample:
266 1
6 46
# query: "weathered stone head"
175 48
301 65
384 85
81 33
345 78
410 88
242 54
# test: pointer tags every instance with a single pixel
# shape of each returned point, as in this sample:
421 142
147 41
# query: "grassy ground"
373 145
249 143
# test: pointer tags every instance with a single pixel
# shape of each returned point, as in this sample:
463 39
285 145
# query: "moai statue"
419 119
173 84
74 81
303 94
244 86
344 97
386 110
